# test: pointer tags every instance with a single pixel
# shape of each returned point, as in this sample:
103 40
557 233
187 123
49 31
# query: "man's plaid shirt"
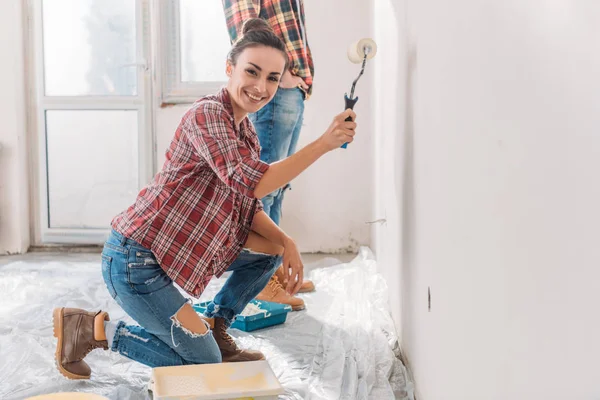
286 18
196 213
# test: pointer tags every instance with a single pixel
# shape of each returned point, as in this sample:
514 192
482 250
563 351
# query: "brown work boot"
229 350
78 332
307 286
274 292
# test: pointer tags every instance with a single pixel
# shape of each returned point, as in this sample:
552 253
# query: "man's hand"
289 81
293 268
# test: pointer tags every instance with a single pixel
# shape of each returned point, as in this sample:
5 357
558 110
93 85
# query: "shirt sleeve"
212 134
259 206
238 11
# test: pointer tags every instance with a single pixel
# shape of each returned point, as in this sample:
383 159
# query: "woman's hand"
340 131
293 268
289 81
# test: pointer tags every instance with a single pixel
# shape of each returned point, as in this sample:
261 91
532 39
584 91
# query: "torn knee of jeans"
175 323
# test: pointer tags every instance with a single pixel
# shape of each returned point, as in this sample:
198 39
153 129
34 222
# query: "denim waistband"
122 240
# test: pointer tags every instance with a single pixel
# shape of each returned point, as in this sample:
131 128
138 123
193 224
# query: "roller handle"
349 105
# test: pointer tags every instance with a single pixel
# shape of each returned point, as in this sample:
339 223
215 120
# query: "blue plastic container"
269 314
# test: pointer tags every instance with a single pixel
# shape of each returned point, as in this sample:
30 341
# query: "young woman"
200 216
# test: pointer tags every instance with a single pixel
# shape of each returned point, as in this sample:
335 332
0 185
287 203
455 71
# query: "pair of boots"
276 293
79 332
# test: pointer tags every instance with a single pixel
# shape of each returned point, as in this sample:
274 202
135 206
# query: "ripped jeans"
140 286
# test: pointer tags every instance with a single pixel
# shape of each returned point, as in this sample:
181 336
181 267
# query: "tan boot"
307 286
275 293
229 350
78 332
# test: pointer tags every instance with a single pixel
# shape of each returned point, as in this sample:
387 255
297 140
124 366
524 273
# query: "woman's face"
253 81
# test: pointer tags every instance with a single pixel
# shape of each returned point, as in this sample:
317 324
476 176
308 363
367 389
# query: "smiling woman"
199 217
255 65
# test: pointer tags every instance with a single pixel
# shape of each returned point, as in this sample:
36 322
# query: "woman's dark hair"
256 32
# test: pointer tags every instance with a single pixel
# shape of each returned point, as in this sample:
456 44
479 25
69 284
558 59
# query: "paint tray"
241 380
258 314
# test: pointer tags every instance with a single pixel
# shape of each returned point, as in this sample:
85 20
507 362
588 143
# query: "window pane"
87 44
92 166
204 41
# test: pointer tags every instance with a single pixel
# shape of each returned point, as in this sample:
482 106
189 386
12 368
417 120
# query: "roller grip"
349 105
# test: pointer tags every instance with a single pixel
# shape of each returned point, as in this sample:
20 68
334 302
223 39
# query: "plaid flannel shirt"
195 215
286 18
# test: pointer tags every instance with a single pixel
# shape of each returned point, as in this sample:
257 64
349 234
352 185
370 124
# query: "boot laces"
226 336
275 285
88 349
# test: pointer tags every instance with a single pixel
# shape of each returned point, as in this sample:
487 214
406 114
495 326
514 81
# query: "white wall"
498 105
329 205
389 126
14 200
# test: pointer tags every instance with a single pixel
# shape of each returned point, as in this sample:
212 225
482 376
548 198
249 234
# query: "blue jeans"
142 288
278 127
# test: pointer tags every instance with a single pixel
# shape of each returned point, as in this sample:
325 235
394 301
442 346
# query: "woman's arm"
282 172
265 227
292 262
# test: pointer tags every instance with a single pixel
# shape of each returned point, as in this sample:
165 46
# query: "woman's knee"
192 338
189 320
197 349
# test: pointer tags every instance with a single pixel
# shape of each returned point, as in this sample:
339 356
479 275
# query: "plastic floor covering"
340 347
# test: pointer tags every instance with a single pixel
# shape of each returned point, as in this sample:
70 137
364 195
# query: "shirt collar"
224 98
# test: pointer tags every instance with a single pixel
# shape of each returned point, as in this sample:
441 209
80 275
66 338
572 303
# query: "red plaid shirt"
196 213
286 18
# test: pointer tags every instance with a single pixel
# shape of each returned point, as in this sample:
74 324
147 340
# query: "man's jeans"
278 127
141 287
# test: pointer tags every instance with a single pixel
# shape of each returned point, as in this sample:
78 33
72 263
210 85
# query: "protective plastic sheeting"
340 347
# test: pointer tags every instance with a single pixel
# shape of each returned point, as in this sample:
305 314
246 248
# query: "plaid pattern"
286 21
196 213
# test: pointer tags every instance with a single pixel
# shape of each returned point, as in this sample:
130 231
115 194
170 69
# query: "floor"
342 346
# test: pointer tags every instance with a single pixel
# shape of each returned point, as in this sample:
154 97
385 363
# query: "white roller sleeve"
356 51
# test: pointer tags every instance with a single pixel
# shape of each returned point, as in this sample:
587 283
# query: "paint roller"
358 52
